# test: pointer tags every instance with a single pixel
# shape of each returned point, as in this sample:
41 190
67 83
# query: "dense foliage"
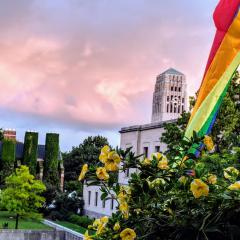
1 134
86 152
176 198
22 194
7 158
30 151
51 161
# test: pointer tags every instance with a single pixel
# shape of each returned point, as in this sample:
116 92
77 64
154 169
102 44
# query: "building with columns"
169 101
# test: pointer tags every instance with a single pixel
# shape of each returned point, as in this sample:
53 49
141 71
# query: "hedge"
30 151
51 162
8 158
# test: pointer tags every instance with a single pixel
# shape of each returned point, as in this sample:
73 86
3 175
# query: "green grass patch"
24 223
72 226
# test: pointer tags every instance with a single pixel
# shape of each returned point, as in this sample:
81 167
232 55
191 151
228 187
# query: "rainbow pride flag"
222 63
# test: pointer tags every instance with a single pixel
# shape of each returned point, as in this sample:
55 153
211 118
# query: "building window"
171 108
96 198
103 203
175 89
112 203
171 97
168 98
127 172
175 108
182 108
179 89
178 108
89 197
145 151
182 100
172 88
167 107
157 148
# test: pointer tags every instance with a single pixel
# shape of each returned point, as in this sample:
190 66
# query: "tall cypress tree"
30 151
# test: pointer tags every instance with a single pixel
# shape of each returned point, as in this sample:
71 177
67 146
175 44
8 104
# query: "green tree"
7 159
30 151
51 162
86 152
22 195
1 134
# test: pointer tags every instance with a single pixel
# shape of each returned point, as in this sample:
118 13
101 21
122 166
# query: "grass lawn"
22 224
72 226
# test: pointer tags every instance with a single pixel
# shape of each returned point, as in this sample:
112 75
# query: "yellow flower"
128 234
146 161
116 226
209 143
163 164
123 194
104 220
158 155
102 173
235 186
96 223
99 224
112 161
83 172
104 153
87 237
183 180
230 172
212 179
199 188
123 207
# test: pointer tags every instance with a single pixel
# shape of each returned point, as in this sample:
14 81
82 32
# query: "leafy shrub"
82 221
56 215
71 186
180 197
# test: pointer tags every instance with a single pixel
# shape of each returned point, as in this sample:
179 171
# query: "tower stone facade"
170 96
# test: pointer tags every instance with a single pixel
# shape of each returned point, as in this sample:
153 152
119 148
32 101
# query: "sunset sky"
88 67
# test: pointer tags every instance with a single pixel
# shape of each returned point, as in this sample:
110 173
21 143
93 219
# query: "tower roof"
172 71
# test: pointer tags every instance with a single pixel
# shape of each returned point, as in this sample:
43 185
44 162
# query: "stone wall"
32 235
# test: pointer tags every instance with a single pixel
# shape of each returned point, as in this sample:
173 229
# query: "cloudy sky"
88 67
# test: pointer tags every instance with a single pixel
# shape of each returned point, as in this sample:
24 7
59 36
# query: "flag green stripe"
207 107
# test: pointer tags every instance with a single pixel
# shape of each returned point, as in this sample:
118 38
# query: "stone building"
169 98
169 101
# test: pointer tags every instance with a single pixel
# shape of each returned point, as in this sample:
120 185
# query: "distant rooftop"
172 71
146 126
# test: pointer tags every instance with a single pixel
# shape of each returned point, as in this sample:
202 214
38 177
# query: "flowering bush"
176 198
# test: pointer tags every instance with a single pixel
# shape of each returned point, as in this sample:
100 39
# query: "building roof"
145 126
172 71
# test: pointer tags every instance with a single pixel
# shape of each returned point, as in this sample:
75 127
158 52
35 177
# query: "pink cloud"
77 69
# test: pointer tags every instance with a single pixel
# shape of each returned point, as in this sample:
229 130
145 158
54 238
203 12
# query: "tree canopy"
86 152
22 194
